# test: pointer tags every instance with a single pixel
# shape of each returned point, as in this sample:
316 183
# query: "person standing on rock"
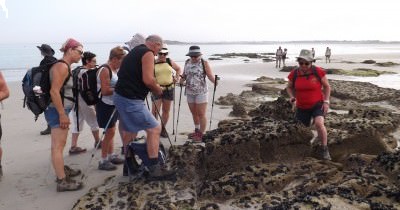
309 91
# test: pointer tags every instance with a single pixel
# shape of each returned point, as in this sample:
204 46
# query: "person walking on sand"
85 112
105 108
57 112
48 57
136 79
4 93
309 91
194 74
284 57
167 73
278 55
328 55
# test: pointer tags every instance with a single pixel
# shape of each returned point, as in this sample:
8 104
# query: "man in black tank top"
135 80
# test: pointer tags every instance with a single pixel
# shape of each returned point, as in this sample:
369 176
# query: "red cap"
70 43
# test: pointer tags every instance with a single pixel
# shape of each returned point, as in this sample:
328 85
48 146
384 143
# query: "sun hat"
70 43
136 40
194 51
46 50
164 48
306 55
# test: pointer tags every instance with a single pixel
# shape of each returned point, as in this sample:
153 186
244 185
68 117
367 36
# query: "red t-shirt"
308 89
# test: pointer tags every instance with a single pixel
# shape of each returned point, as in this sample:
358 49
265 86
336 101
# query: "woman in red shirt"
309 90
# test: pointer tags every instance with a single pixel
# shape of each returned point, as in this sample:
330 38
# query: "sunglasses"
164 54
304 63
79 51
194 56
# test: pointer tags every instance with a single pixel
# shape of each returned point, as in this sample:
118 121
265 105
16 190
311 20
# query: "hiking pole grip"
216 78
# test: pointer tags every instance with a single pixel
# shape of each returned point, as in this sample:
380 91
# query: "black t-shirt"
130 75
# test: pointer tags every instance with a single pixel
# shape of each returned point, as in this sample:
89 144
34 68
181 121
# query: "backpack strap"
65 82
204 68
109 72
169 62
313 70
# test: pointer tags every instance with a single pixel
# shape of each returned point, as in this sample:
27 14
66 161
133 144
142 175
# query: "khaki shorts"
197 99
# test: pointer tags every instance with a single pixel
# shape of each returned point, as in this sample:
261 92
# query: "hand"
325 108
64 121
292 100
159 91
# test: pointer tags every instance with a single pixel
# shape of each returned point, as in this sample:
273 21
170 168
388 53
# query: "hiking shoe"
164 133
95 144
325 153
68 184
69 172
76 150
158 172
46 131
115 159
197 138
107 166
190 135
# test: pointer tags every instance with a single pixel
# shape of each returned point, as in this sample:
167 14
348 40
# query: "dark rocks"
369 61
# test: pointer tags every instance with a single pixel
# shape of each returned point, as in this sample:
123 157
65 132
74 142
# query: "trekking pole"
99 142
159 115
212 104
173 113
179 108
147 102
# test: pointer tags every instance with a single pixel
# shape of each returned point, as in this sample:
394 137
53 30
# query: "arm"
4 91
209 72
178 71
60 73
290 91
148 73
105 82
326 89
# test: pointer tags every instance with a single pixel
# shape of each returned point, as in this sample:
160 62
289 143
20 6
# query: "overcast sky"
37 21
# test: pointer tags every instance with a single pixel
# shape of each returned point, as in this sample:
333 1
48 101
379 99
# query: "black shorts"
103 114
168 94
305 115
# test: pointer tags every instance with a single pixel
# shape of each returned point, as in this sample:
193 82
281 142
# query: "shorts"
168 94
134 114
197 99
103 115
52 117
85 113
305 115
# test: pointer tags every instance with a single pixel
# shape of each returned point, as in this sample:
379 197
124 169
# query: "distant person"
284 57
278 55
57 113
167 73
194 74
136 79
85 112
328 55
105 108
310 92
48 57
4 93
313 52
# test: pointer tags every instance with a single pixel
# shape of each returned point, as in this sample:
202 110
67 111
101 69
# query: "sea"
16 59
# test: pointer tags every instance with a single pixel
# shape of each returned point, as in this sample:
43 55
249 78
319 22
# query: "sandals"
76 150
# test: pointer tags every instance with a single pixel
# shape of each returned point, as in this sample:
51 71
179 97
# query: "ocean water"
15 59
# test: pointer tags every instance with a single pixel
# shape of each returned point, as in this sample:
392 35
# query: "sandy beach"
29 180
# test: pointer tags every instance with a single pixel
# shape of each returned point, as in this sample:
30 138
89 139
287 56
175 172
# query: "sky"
49 21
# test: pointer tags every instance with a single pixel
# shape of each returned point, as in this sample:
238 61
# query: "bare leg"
166 106
58 140
193 110
154 110
96 135
107 141
201 115
321 130
153 141
74 141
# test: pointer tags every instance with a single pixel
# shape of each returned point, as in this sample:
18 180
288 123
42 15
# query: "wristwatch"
326 101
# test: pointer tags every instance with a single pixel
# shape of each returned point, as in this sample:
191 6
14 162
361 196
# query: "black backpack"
36 87
85 84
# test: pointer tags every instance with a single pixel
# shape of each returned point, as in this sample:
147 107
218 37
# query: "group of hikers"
123 84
